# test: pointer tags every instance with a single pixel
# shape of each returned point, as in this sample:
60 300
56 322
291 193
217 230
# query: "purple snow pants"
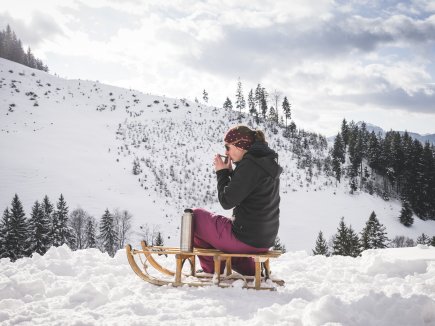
214 232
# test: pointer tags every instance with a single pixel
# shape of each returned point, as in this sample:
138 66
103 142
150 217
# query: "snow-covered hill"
80 138
87 287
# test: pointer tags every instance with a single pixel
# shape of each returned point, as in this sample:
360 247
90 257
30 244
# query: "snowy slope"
82 137
87 287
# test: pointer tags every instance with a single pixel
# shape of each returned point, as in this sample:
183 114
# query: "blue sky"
359 60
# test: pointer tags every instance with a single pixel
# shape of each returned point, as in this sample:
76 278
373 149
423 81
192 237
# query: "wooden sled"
178 278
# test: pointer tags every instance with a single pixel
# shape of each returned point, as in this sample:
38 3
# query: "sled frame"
178 278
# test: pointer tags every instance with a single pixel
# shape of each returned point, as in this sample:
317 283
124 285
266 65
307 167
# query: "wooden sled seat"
262 262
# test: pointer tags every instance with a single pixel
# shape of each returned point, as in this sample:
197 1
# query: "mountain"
83 138
422 138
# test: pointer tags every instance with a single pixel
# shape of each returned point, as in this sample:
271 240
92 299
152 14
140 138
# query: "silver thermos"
186 239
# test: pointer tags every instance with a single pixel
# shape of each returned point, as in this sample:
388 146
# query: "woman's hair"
244 136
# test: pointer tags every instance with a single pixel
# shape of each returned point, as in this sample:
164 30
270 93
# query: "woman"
252 189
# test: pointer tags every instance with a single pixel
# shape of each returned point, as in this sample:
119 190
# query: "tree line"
51 225
392 166
346 241
257 105
11 48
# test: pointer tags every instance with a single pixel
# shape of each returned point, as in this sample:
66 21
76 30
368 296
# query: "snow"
87 287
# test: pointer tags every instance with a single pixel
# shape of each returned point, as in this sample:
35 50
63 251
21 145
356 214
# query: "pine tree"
17 239
432 242
61 232
346 241
108 235
136 166
205 96
47 208
345 133
406 214
158 241
338 156
278 245
286 108
321 246
228 105
91 237
423 239
354 248
240 99
341 242
5 229
273 114
251 103
39 231
373 235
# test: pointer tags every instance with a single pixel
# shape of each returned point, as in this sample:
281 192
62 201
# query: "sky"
360 60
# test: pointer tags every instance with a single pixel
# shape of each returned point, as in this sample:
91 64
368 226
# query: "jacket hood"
261 154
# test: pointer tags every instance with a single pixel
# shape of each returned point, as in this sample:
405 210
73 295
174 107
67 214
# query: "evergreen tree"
423 239
5 229
47 208
17 238
158 241
321 246
432 242
61 232
240 100
263 106
205 96
373 235
345 133
354 248
346 241
406 214
278 245
286 108
108 235
136 166
228 105
338 156
91 237
341 242
273 114
251 103
39 230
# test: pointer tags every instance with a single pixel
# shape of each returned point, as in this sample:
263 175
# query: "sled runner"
261 280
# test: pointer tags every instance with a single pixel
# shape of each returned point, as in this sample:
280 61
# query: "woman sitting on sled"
252 190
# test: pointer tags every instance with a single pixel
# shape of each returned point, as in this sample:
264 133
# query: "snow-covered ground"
87 287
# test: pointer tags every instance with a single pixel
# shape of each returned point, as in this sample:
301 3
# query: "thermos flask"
186 239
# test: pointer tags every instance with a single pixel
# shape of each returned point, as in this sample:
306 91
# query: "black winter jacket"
252 189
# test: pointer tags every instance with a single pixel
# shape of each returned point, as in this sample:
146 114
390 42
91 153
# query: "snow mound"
87 287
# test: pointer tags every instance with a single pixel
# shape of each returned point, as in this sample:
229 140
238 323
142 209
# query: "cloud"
32 33
421 101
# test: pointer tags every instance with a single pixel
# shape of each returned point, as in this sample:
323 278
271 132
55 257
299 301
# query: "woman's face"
234 152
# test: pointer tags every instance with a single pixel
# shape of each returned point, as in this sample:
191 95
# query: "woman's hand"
220 165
